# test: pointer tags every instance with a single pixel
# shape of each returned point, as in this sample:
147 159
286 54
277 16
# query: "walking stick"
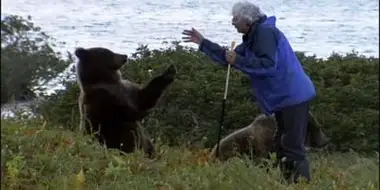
224 102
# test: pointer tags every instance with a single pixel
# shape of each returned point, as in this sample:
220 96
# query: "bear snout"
120 60
124 59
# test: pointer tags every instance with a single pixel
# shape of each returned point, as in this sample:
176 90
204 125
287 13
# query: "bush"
347 102
28 60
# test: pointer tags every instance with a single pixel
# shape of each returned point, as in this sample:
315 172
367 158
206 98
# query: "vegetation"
39 156
47 153
28 60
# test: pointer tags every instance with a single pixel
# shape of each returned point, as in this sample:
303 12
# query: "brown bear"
256 138
110 106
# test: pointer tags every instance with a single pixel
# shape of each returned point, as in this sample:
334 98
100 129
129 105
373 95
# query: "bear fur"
256 139
110 106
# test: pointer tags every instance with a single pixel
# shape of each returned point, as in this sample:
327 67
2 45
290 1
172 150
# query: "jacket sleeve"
263 60
215 51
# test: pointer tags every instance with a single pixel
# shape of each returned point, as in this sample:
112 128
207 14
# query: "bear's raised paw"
170 73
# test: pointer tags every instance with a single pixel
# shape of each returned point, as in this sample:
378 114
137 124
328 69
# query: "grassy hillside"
37 156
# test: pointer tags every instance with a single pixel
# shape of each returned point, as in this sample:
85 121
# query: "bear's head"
99 64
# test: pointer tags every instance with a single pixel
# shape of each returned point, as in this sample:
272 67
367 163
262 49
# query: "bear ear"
80 53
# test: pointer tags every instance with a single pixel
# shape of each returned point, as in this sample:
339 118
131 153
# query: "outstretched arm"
151 93
209 48
215 51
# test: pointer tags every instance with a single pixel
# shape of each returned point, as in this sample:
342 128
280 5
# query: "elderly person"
278 81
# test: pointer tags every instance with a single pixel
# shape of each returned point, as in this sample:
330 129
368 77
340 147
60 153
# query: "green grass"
38 157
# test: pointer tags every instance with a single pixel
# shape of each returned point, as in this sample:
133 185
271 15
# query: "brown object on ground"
256 139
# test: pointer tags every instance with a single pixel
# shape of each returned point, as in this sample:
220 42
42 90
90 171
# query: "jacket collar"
253 28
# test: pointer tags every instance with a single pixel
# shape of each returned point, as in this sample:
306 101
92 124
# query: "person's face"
240 25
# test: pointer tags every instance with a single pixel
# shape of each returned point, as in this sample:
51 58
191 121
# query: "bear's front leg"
149 95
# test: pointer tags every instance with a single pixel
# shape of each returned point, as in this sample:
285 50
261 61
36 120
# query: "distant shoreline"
9 109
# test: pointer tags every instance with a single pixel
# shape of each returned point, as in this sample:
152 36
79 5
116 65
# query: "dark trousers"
289 140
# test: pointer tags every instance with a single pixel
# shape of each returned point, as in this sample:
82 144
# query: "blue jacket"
265 55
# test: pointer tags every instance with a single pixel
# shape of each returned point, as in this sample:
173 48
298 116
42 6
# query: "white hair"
246 11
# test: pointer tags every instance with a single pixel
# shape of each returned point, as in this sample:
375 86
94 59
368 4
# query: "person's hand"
230 56
192 36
